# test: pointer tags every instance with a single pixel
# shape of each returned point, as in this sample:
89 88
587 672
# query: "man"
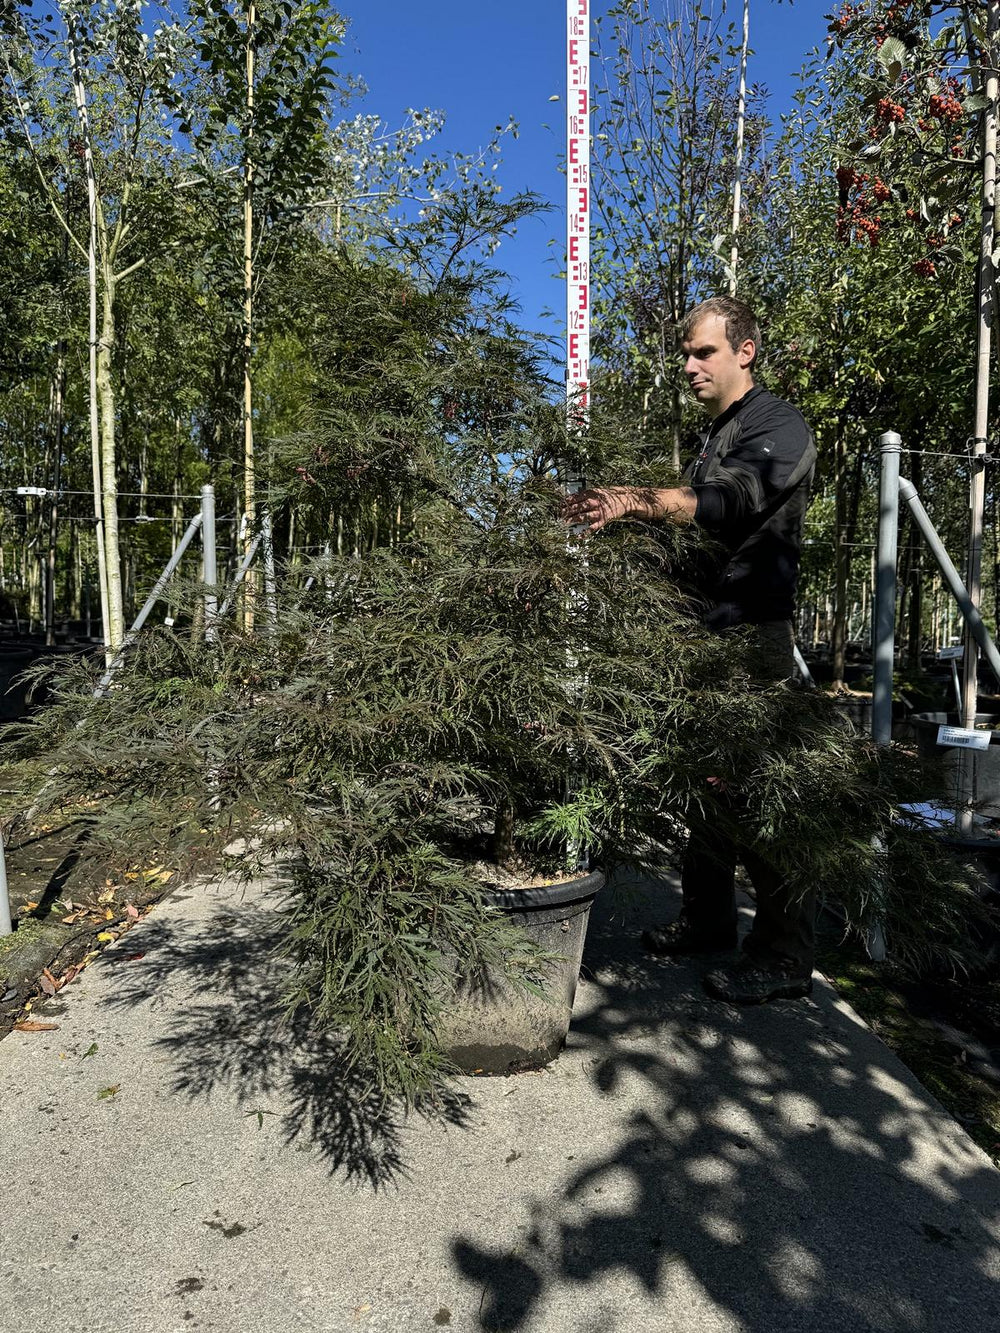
748 488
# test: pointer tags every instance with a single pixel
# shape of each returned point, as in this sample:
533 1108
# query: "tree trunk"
74 590
738 164
80 99
842 562
249 497
984 304
109 465
56 414
504 846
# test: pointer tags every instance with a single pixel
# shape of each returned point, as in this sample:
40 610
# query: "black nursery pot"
493 1027
985 763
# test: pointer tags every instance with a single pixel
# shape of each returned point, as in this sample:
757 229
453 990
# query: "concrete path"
683 1166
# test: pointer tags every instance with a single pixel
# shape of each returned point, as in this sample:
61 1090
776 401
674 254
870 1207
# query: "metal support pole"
884 636
150 602
241 574
6 925
984 301
970 612
802 666
209 570
103 684
884 621
270 582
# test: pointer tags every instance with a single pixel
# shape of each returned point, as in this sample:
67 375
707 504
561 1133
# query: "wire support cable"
45 491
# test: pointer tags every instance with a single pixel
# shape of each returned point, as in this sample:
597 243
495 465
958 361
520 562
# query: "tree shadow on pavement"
770 1161
222 980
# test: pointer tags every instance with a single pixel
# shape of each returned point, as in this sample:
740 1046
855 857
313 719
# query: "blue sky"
482 63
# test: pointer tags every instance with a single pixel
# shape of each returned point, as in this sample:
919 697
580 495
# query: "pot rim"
547 895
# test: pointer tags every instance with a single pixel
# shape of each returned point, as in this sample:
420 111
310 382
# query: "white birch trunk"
80 98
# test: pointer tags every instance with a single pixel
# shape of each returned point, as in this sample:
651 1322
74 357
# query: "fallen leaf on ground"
106 937
91 1050
29 1025
132 911
106 896
49 987
106 1094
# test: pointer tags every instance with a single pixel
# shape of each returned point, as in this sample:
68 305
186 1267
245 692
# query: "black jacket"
752 478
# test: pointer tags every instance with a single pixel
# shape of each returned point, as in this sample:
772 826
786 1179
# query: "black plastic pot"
494 1027
985 763
13 697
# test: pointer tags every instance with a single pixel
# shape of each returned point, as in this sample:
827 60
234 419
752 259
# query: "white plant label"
578 202
963 737
953 654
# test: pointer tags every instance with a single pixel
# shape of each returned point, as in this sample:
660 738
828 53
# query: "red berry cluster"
925 268
852 218
945 106
869 227
846 177
847 16
890 111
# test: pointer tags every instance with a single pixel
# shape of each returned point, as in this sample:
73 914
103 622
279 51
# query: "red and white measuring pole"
578 202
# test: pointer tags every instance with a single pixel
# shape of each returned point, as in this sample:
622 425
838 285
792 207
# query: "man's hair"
741 322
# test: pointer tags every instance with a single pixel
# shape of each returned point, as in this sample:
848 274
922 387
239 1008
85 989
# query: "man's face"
717 375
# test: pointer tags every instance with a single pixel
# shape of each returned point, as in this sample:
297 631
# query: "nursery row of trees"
219 273
215 270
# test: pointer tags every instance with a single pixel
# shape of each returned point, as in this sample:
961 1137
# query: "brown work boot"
679 938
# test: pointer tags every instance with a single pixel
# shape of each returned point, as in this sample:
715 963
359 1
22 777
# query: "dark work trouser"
783 928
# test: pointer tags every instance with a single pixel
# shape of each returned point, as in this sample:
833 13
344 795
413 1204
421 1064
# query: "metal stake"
209 570
270 583
6 926
974 622
151 600
241 574
803 667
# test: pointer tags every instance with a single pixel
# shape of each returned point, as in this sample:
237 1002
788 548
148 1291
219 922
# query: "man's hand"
594 508
603 504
